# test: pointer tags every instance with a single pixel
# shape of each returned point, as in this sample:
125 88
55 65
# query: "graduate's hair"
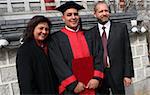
34 21
99 2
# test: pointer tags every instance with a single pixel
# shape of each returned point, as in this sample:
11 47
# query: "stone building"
14 14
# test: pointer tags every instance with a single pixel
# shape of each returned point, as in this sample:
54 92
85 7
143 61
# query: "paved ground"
139 88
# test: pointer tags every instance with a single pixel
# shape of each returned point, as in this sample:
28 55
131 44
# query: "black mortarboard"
69 4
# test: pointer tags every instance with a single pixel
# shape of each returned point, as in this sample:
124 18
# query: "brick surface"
12 56
145 60
2 57
8 74
4 90
142 38
140 75
133 39
137 62
145 50
147 71
15 88
133 51
139 50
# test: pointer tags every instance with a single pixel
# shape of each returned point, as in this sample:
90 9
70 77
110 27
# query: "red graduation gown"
67 45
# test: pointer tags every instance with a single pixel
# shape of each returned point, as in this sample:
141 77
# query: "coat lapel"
97 30
111 34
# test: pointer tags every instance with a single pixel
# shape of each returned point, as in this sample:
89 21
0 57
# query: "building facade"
14 14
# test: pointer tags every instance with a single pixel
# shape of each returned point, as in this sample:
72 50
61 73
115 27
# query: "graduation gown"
34 70
62 56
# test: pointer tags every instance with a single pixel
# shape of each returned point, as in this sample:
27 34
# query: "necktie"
104 42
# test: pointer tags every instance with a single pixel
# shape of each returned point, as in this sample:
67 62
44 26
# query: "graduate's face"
41 31
102 12
71 17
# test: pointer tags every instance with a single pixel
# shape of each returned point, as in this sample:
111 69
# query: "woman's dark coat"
34 70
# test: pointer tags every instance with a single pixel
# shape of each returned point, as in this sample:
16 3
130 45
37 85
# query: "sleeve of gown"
98 56
24 72
129 71
67 79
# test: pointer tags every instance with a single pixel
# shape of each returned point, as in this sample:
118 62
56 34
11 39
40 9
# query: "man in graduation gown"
71 43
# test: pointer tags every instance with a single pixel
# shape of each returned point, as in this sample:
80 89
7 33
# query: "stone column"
8 75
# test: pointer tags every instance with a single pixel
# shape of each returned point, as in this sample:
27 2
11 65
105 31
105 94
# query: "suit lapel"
97 30
111 33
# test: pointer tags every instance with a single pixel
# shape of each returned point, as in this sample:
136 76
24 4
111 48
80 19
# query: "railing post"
50 4
43 8
26 5
9 6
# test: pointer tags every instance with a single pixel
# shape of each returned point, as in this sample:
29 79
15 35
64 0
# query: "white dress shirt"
107 29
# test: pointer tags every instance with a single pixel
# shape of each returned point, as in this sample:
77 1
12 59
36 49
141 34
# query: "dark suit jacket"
34 70
119 52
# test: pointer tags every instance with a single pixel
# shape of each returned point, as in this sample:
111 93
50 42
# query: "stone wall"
8 77
140 56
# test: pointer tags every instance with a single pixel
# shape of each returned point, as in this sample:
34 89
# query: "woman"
34 69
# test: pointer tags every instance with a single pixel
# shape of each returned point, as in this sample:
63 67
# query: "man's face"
71 18
102 12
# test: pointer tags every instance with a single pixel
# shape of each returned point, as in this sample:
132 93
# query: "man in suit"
117 51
